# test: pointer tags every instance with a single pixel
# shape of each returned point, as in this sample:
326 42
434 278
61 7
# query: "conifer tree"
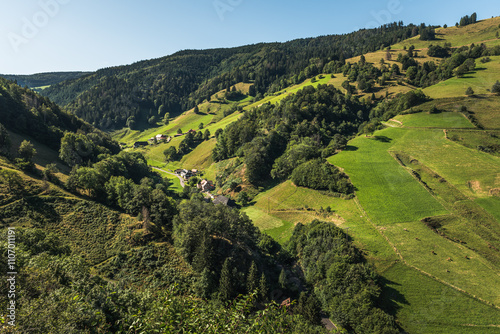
205 285
252 278
263 287
299 308
311 310
226 282
204 255
282 279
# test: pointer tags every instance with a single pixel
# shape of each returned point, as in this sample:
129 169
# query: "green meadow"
396 201
491 205
440 120
472 172
482 31
175 183
425 305
385 190
480 80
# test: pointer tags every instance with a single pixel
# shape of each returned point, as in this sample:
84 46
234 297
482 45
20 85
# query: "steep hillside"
27 113
484 31
81 224
109 97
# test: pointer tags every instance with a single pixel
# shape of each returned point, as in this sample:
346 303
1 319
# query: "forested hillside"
28 113
42 80
109 97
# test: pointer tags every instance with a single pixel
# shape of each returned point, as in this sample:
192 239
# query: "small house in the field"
138 144
206 185
186 174
223 200
161 138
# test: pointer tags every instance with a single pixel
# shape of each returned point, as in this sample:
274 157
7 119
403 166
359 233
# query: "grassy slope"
440 120
82 224
482 31
442 310
485 108
372 168
44 156
277 210
456 163
381 183
481 80
492 205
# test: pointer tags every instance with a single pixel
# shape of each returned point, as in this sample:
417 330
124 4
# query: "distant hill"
43 79
173 84
27 113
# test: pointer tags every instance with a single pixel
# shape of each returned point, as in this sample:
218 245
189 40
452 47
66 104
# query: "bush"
320 175
496 88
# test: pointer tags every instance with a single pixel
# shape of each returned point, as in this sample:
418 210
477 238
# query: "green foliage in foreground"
56 293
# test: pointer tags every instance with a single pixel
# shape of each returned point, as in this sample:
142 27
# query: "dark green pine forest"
173 84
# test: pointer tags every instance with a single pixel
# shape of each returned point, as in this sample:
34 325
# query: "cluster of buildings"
205 186
160 139
186 174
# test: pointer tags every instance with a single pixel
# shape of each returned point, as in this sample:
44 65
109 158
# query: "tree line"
276 139
172 84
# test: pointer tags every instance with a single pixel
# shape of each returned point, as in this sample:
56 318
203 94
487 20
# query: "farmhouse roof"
223 200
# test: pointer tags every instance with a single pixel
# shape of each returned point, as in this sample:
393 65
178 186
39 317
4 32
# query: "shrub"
469 91
496 88
320 175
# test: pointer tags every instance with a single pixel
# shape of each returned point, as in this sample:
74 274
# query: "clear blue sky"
65 35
